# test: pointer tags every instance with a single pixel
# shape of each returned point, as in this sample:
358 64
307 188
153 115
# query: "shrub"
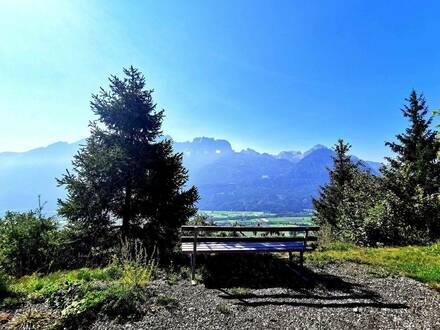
136 275
172 278
137 267
28 242
84 294
167 301
4 285
81 246
224 309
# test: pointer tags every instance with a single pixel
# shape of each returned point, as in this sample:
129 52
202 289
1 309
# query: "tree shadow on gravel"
305 287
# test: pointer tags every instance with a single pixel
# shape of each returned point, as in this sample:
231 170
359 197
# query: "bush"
137 268
81 246
28 242
4 285
115 301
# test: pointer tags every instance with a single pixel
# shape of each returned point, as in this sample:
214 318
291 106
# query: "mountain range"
227 179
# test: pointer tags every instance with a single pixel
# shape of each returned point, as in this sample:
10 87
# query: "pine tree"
437 114
412 177
332 194
127 173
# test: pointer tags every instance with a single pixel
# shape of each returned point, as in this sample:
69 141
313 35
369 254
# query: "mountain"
243 180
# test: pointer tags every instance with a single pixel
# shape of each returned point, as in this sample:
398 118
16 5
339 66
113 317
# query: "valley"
266 219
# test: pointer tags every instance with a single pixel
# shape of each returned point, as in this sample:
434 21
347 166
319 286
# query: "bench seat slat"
188 239
244 247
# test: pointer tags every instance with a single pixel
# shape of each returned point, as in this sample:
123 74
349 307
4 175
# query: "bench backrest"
197 234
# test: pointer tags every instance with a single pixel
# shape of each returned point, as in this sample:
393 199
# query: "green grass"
116 290
38 286
240 292
421 263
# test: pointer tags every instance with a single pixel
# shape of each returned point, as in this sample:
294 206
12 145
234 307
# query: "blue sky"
270 75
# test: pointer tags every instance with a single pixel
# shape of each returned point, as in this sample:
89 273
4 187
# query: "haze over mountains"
227 180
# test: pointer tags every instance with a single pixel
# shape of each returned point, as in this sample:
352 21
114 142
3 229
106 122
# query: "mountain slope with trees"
227 179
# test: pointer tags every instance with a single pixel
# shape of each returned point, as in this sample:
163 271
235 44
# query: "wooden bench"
257 239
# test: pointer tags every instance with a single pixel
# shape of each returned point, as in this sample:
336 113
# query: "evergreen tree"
359 197
437 114
332 194
412 178
127 173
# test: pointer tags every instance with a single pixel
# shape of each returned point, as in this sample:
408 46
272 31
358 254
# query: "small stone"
5 317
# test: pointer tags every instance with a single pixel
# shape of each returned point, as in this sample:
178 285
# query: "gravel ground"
344 296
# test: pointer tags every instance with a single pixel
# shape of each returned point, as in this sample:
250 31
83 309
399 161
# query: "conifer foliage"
412 178
331 195
127 174
402 206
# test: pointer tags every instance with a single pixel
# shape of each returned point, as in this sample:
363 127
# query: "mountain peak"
292 156
249 151
213 143
318 146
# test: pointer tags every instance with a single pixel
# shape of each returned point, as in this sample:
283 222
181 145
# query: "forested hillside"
226 179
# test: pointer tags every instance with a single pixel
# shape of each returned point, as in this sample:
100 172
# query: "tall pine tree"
127 173
331 195
412 177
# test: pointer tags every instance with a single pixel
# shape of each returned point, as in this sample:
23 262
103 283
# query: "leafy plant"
4 285
137 267
167 301
172 278
241 292
224 309
116 301
28 242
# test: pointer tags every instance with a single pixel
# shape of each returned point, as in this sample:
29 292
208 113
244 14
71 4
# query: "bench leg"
193 268
290 258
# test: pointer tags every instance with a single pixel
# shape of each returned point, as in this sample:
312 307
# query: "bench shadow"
304 286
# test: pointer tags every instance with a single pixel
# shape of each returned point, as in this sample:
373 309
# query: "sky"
269 75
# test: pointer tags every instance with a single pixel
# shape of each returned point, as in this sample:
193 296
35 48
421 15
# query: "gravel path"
345 296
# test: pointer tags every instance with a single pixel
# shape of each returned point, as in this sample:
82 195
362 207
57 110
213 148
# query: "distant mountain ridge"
243 180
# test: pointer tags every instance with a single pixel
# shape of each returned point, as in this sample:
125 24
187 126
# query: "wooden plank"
252 229
249 239
244 246
229 246
251 251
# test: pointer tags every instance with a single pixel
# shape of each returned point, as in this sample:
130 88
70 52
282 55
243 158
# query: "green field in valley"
248 218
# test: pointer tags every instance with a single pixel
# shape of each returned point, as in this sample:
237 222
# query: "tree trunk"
127 212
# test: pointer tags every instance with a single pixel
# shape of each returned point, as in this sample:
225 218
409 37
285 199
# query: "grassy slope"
418 262
79 295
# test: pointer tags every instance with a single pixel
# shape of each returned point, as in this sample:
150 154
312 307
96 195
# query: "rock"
5 317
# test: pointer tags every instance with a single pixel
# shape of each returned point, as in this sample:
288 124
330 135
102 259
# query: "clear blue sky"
271 75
